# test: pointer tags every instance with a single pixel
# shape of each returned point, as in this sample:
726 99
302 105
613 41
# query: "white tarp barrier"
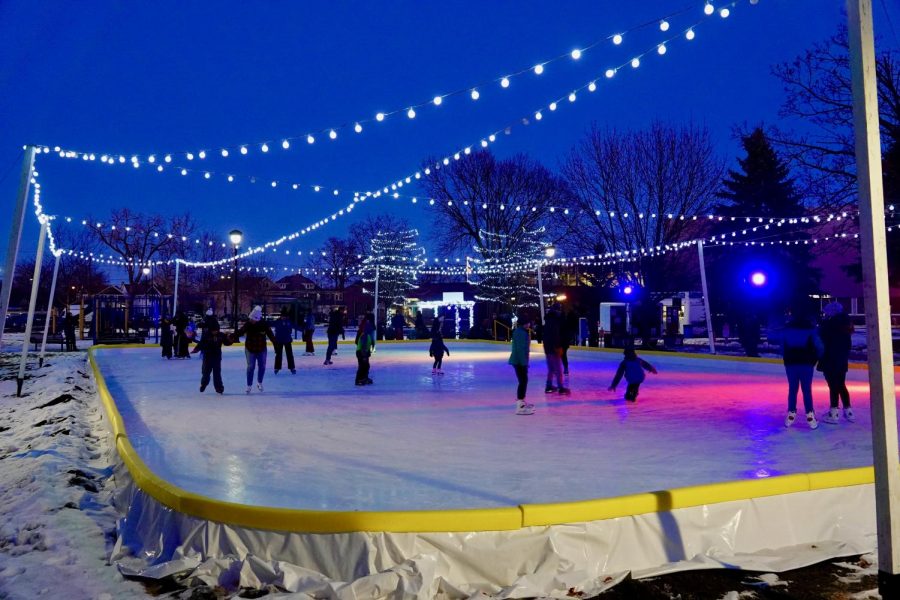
774 533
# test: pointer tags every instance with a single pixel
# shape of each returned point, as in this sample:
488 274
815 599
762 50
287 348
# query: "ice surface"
416 441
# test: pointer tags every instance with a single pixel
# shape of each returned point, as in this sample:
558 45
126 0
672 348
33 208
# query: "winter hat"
256 313
833 309
209 312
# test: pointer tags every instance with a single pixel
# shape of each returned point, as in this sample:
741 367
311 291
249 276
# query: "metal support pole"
875 292
376 299
709 326
15 235
175 298
49 310
540 293
32 303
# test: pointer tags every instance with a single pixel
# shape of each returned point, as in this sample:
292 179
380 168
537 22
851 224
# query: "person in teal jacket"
518 358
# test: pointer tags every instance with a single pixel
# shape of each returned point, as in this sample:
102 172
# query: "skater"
397 324
632 367
210 321
335 329
566 333
211 346
69 331
255 349
421 330
165 337
553 350
181 324
518 358
801 349
284 332
437 348
365 345
835 332
309 328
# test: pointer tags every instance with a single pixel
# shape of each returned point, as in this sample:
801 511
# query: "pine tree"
761 188
396 258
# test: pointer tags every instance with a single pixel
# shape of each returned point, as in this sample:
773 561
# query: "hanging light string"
472 91
359 197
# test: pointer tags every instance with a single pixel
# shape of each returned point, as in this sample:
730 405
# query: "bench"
52 338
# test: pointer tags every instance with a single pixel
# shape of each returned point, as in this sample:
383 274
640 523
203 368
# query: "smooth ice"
412 441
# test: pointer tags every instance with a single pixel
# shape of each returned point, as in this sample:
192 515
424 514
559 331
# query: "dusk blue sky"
141 78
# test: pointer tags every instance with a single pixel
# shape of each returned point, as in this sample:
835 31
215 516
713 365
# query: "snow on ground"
57 524
416 441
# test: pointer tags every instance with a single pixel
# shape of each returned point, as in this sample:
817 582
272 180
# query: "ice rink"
412 440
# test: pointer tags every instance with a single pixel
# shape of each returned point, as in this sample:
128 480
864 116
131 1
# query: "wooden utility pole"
875 290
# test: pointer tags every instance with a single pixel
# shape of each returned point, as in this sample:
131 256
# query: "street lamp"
549 252
236 236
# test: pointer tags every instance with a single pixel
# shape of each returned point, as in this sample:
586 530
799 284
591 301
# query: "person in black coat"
553 349
181 323
835 331
69 331
437 348
335 329
165 337
211 346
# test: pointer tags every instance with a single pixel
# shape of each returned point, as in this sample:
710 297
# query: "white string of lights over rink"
473 92
359 197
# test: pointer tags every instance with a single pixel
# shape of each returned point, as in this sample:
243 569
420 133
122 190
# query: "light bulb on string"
552 106
379 117
592 86
264 148
689 34
661 49
189 155
538 69
635 63
537 117
708 9
724 13
610 73
504 82
438 100
617 39
663 25
411 113
576 54
202 154
357 128
572 97
243 149
224 153
285 144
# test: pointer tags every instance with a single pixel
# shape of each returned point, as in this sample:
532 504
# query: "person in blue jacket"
632 367
284 336
309 329
801 349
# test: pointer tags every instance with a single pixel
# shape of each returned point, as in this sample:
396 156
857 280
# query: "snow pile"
57 523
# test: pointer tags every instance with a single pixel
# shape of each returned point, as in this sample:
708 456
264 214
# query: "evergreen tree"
761 189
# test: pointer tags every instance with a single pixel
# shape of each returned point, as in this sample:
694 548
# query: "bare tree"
480 193
338 262
627 184
361 234
819 95
138 238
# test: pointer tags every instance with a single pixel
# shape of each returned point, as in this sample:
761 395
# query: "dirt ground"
849 578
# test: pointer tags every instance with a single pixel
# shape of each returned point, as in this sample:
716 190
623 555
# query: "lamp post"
549 252
236 236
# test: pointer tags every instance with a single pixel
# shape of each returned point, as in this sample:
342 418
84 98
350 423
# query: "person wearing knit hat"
284 337
256 331
835 331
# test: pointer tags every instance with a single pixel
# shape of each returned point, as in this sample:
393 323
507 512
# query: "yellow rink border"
481 519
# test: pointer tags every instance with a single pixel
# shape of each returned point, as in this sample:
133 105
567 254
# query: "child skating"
211 346
518 358
632 367
437 348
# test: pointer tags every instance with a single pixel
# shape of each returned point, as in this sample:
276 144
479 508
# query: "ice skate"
434 371
524 409
259 386
790 418
549 389
440 371
832 416
275 371
811 420
565 391
293 371
202 388
848 414
249 388
369 382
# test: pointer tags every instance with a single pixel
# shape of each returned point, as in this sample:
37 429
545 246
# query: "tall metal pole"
15 235
540 293
234 291
709 327
875 292
49 310
32 303
376 299
175 298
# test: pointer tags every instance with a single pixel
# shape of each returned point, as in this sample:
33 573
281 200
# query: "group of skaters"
555 341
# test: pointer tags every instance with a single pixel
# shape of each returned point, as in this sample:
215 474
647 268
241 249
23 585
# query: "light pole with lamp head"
549 252
236 237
